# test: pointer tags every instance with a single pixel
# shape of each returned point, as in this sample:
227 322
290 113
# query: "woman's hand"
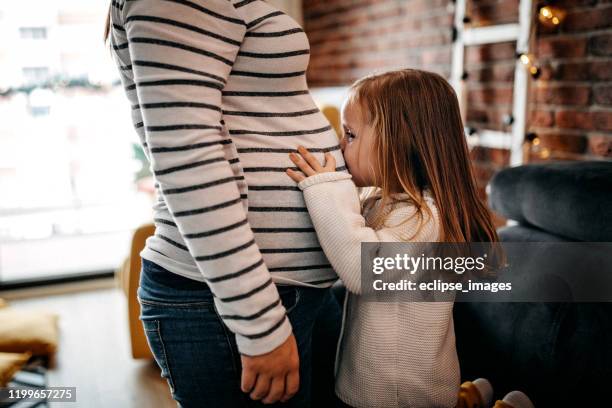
274 376
309 164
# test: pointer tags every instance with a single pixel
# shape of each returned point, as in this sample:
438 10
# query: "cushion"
28 331
571 199
10 363
525 233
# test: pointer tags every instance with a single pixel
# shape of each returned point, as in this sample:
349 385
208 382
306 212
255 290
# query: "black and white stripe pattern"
219 97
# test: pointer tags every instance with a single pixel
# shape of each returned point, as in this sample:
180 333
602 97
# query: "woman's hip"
193 346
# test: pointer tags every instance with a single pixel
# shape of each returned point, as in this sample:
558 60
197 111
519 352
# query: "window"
74 183
34 75
33 33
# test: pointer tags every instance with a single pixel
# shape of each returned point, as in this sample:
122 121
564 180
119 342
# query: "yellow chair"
332 114
129 277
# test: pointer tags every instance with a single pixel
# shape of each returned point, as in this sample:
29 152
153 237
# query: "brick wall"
571 109
350 38
570 104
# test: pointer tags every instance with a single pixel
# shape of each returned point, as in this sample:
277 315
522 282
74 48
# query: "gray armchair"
560 354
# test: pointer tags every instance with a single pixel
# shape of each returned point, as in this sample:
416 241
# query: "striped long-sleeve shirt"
219 97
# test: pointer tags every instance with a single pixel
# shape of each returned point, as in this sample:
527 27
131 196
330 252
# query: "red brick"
496 73
546 155
600 145
593 120
488 13
602 120
542 118
436 56
601 45
602 94
564 95
600 70
574 3
563 142
500 157
490 52
574 120
482 173
477 115
554 47
439 38
587 20
569 71
490 96
488 117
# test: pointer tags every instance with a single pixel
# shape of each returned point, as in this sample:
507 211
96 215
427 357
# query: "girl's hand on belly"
309 165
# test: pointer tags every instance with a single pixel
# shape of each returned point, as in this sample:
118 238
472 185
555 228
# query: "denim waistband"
160 276
161 285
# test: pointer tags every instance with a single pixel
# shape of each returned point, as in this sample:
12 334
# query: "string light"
533 147
528 61
545 153
550 16
525 59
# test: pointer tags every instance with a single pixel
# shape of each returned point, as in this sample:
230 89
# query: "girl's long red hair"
420 145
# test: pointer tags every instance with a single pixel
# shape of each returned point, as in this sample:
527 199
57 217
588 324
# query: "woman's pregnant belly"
277 212
263 130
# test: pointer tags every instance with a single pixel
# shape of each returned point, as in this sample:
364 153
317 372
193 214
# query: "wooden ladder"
521 33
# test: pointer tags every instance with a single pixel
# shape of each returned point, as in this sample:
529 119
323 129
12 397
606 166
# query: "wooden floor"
94 353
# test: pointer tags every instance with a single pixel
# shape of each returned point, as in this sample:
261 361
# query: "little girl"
403 137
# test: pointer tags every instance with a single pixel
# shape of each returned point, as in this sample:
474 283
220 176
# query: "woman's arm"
181 54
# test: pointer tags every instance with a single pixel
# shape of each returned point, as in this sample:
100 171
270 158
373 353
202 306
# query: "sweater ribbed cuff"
323 178
263 345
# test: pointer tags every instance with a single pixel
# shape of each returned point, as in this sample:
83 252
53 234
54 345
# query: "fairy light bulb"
525 59
546 12
528 61
551 16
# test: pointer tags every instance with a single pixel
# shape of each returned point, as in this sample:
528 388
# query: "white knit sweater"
398 354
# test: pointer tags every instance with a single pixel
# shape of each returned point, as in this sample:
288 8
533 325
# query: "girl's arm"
334 207
333 204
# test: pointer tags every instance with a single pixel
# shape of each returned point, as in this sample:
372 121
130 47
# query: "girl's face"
358 145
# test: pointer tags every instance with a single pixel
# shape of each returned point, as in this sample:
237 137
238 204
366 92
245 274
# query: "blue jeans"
197 353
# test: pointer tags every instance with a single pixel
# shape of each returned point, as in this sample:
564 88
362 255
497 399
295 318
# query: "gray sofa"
560 354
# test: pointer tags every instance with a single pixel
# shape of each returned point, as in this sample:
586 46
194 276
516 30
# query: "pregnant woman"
234 289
